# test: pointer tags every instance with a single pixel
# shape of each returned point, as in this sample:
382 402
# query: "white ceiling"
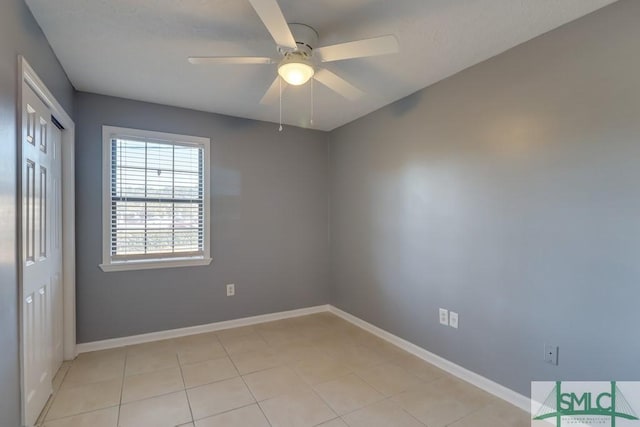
138 49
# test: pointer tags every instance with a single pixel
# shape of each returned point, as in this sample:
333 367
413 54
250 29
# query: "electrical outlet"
231 290
551 354
444 316
453 319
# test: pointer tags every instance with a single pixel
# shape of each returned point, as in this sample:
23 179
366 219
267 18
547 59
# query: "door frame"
30 78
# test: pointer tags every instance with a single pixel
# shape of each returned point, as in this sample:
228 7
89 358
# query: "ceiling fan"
299 55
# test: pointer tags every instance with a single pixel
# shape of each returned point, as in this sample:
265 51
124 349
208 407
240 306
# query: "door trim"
29 77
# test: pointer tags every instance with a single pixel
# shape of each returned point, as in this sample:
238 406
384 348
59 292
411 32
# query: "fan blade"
272 18
229 60
382 45
338 84
272 93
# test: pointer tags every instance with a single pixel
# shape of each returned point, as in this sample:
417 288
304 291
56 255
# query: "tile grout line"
193 420
77 385
163 394
404 410
413 376
371 385
407 412
226 411
245 383
124 375
80 413
314 391
354 410
467 415
311 386
386 398
353 371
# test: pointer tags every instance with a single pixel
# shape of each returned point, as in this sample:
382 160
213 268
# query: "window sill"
155 264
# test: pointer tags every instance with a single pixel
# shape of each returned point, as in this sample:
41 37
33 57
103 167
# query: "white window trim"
108 132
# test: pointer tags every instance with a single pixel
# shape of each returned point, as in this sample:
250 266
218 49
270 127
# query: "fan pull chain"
280 83
311 115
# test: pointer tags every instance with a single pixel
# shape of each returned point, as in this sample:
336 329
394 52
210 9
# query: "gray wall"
19 34
269 224
510 194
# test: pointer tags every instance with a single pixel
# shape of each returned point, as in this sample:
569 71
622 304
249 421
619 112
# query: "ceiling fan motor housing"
306 40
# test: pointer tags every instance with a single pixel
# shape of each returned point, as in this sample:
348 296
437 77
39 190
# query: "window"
156 200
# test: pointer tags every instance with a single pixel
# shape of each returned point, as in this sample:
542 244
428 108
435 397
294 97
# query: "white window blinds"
157 199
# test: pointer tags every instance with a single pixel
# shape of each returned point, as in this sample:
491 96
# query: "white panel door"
57 296
41 262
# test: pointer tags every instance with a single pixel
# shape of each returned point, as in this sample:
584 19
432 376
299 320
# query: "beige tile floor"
315 370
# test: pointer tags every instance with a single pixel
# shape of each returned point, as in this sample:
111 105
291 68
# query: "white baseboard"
193 330
477 380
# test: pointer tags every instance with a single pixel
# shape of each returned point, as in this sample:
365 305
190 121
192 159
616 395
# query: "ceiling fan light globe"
295 73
